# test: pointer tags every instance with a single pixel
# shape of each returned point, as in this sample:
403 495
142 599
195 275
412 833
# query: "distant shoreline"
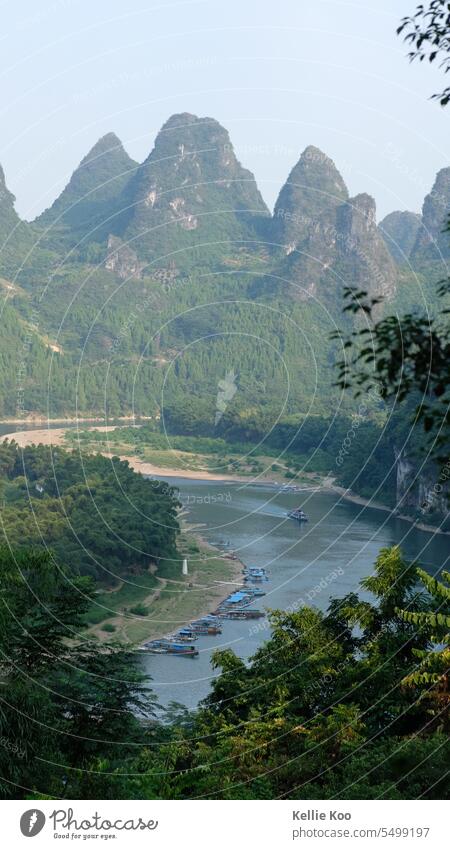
42 420
377 505
228 575
56 436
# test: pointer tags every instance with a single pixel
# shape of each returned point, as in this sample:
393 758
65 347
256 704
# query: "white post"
185 567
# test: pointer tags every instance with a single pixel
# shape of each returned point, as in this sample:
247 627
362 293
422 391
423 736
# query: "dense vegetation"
359 451
144 287
348 703
351 703
97 516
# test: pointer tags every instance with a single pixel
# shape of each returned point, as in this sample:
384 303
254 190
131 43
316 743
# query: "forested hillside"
144 286
169 273
97 516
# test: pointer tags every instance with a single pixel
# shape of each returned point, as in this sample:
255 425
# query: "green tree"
428 34
433 668
65 706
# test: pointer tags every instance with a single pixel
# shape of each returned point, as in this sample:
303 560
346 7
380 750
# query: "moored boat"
238 598
170 647
253 591
185 635
206 627
255 574
241 614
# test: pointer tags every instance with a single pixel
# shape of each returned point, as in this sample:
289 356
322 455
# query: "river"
307 563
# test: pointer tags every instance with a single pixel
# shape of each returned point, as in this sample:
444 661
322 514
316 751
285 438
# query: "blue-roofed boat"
209 620
255 574
185 635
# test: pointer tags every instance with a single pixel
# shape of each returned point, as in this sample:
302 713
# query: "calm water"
339 535
303 560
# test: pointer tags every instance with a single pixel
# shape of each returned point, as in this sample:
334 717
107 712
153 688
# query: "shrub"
139 609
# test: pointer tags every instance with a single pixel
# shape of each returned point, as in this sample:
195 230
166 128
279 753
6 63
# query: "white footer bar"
225 825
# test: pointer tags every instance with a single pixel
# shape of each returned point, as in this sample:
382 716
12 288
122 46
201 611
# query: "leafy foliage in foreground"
409 357
63 703
427 33
324 709
434 666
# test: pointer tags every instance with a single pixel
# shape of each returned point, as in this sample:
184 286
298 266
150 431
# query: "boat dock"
235 606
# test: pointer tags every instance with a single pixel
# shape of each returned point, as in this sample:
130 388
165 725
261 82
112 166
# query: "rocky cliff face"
191 194
431 242
399 231
362 247
313 189
331 241
191 202
421 492
7 198
122 260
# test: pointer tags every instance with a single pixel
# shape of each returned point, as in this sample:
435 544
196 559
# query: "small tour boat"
206 627
185 635
170 647
242 614
238 598
251 591
255 574
297 514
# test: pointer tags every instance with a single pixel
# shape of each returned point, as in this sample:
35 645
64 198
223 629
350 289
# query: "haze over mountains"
185 243
94 188
191 190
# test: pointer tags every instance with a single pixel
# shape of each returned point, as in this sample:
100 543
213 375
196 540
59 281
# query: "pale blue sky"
279 74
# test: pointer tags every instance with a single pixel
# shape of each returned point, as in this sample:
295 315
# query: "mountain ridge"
93 192
176 263
192 189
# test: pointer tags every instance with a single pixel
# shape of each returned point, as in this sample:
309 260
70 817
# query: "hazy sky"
279 74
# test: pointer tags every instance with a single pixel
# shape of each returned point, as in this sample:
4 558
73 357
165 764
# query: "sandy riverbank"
146 468
48 436
173 603
41 420
56 436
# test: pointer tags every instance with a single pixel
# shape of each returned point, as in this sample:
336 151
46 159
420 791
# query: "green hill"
143 286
